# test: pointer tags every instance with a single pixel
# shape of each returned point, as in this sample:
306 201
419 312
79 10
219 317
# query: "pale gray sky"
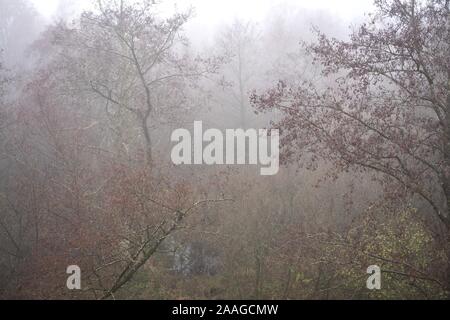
212 14
46 7
221 10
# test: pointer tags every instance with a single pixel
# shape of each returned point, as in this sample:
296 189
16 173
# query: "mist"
95 94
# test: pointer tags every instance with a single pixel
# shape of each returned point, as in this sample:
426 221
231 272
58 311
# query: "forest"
91 98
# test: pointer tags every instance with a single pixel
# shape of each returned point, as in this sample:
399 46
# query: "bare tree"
240 43
137 62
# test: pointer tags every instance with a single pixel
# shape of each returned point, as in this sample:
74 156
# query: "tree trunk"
148 141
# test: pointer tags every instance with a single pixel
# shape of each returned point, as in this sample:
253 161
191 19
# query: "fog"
210 149
210 15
